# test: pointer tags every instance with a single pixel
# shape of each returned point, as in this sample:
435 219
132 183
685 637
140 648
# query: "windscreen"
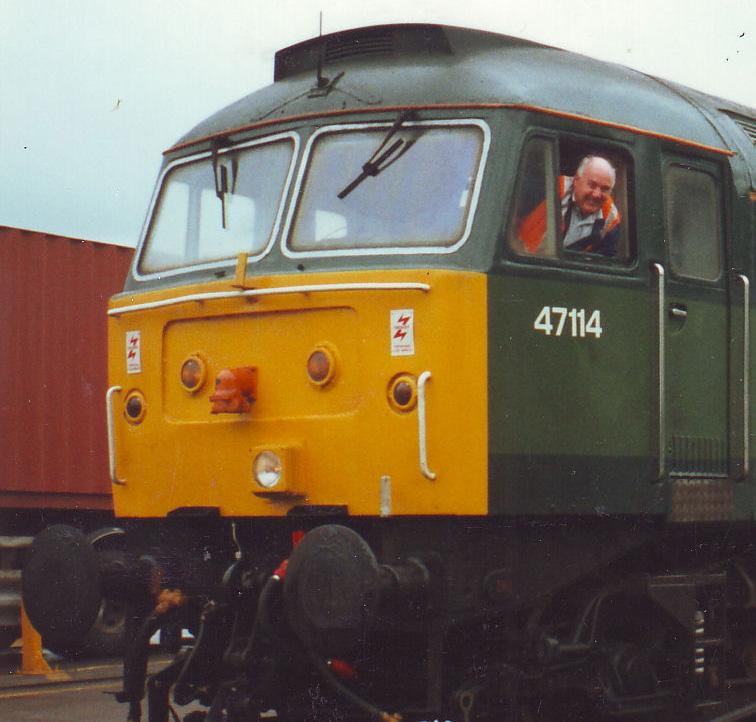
381 188
216 207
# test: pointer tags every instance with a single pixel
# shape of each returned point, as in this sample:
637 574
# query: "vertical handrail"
746 373
421 425
662 370
111 435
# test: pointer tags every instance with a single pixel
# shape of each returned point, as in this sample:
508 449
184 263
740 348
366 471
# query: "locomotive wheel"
634 649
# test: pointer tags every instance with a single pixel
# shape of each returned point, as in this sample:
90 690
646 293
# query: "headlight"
267 469
134 408
321 366
402 392
193 373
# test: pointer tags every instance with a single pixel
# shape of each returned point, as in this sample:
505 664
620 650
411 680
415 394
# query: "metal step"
15 542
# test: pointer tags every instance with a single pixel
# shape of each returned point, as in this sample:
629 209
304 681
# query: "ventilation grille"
747 125
375 42
381 40
696 456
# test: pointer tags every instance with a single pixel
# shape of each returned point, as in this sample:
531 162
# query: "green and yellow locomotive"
431 395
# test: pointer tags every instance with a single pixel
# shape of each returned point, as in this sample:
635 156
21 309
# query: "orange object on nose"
235 391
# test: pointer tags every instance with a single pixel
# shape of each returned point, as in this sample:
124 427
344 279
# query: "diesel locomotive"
386 456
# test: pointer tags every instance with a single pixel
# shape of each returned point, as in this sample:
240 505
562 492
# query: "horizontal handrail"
280 290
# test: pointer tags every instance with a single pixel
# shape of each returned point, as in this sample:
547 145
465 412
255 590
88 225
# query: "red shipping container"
53 363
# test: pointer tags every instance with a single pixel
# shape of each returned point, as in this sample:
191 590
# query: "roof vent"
374 41
381 40
747 125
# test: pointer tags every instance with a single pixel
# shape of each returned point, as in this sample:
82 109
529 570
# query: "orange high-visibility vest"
533 226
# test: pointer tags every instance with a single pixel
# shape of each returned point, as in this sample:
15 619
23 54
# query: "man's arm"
605 245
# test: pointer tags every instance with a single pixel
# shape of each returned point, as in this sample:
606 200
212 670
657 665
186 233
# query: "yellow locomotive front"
264 361
291 396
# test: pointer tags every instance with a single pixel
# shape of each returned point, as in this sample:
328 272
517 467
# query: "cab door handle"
678 310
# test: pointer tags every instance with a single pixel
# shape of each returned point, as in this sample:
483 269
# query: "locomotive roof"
395 65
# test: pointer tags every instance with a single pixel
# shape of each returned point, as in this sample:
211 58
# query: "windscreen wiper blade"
220 173
382 159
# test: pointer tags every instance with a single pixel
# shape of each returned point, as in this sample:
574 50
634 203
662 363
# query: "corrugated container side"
53 365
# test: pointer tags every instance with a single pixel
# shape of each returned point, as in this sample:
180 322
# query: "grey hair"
588 160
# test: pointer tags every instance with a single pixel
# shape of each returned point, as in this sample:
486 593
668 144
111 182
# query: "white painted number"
562 316
543 322
578 327
594 324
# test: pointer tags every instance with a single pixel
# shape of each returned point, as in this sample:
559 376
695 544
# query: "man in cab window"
589 219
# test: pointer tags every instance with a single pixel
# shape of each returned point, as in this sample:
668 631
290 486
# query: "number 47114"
561 321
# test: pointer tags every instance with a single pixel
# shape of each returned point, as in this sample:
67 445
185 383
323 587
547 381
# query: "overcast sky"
92 91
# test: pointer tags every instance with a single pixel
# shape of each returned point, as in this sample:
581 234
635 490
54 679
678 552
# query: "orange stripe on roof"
629 128
451 106
753 195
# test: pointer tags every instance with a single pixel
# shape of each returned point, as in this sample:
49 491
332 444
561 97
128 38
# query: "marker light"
267 469
134 407
321 366
193 373
402 392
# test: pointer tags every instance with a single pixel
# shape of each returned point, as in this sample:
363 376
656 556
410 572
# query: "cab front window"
217 206
377 189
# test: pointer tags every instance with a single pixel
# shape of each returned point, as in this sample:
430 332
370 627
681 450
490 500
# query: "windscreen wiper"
220 173
382 159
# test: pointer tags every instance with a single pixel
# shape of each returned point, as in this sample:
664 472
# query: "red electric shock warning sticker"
403 332
133 352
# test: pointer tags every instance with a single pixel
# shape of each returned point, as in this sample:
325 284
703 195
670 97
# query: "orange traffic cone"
32 659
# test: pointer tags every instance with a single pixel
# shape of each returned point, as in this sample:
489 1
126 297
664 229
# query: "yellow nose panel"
342 443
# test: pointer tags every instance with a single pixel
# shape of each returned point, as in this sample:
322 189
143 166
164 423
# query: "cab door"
694 323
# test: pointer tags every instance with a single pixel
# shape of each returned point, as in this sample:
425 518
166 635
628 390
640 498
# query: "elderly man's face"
592 188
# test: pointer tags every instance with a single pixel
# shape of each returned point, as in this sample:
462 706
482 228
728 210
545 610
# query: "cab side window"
572 201
533 230
691 206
